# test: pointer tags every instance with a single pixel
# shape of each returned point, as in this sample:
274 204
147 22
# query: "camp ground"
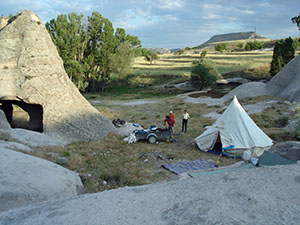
235 135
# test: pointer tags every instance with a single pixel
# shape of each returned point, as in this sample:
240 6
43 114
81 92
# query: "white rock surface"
250 108
35 139
251 196
251 89
14 146
286 83
25 179
32 76
3 121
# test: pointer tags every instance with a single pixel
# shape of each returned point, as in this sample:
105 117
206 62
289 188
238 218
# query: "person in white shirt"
185 118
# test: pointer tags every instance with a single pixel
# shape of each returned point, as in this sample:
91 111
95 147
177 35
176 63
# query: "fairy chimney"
32 77
3 22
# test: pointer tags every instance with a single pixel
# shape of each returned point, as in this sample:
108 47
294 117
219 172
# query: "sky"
175 23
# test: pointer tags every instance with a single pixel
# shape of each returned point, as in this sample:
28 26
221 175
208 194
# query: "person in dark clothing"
185 118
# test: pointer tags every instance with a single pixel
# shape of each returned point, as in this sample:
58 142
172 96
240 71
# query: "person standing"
171 115
185 118
170 123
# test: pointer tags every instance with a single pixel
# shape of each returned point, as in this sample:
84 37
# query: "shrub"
240 46
220 47
255 45
281 122
203 54
204 73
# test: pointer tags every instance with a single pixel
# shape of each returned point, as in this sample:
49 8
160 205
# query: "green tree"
204 73
101 44
90 49
253 45
220 47
179 52
68 34
151 57
284 51
120 63
296 20
203 54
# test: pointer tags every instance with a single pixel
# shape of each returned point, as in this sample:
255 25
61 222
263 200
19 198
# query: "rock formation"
32 77
287 149
267 195
286 83
3 22
26 179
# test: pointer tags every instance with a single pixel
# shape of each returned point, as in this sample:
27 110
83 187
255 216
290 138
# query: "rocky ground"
252 196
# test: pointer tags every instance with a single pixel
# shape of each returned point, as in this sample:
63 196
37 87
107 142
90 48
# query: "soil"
218 92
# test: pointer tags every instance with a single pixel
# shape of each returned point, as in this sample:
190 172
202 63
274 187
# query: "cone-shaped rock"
286 83
32 76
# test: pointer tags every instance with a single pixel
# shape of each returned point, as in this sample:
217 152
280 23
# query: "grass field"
178 67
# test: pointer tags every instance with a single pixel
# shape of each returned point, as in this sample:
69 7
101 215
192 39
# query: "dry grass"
180 66
111 162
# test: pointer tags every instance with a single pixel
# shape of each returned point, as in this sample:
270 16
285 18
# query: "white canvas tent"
236 131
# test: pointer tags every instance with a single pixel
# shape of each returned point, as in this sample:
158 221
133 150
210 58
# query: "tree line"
94 54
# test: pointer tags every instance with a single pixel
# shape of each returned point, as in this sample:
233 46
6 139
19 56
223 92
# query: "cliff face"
233 37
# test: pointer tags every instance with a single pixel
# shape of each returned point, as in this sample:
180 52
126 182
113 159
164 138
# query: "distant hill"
159 50
233 37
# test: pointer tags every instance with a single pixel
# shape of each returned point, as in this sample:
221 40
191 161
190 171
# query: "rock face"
32 77
287 149
251 89
250 196
3 122
3 22
286 83
26 179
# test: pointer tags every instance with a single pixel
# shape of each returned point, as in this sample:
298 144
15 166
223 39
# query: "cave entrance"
23 115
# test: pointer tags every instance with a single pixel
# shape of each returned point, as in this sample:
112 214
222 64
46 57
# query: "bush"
179 52
240 46
255 45
204 73
220 47
203 54
281 122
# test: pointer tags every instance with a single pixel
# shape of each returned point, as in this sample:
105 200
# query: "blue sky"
175 23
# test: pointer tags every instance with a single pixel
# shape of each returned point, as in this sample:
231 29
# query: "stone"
286 83
288 149
237 197
3 22
4 125
32 77
27 179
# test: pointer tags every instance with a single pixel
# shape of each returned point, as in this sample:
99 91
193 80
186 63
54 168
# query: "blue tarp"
182 167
